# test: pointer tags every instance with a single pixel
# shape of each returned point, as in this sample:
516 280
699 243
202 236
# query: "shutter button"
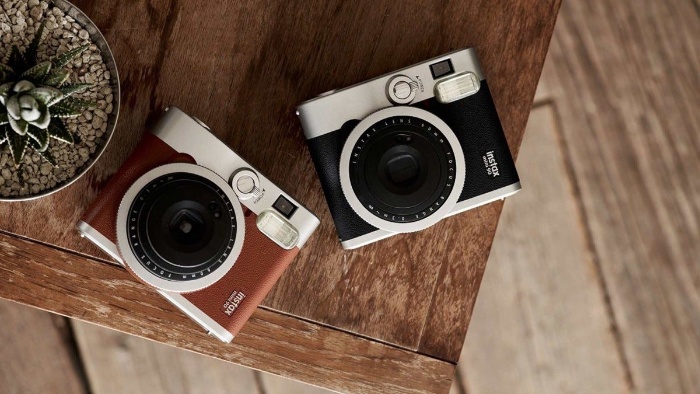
245 184
401 89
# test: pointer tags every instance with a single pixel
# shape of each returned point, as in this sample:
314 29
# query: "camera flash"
278 229
457 87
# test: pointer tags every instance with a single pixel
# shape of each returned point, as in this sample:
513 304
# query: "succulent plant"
35 97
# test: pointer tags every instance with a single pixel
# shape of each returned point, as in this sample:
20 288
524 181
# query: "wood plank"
543 94
36 354
81 288
242 67
540 322
120 363
461 238
625 80
273 384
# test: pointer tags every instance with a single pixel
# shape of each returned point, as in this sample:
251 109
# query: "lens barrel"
181 226
402 167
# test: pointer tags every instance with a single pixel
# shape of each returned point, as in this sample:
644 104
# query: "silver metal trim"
213 328
180 302
96 237
366 239
145 274
485 198
327 113
461 206
186 135
346 157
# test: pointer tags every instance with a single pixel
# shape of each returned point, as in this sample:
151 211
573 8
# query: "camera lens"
181 225
402 169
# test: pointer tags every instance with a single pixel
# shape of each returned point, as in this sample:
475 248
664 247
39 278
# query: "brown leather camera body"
231 300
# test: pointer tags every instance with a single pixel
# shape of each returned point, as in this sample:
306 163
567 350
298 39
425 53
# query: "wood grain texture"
120 363
273 384
81 288
540 323
36 355
625 78
242 66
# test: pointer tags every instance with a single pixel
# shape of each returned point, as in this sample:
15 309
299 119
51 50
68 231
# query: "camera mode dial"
401 89
245 184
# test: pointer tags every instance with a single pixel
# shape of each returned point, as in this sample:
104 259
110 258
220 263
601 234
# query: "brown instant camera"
189 217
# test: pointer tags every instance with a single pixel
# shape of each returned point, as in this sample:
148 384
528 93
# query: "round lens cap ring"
419 167
180 227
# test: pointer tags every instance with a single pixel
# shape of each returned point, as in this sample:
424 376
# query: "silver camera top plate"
328 112
188 135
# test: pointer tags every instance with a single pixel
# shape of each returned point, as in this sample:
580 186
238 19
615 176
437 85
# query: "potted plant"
58 96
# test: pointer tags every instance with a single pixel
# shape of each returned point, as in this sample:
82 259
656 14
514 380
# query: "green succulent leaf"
64 58
40 136
16 60
6 72
80 104
18 145
47 95
33 48
4 119
56 78
65 110
70 88
23 86
59 131
4 129
4 92
30 109
45 154
38 72
13 109
19 126
43 121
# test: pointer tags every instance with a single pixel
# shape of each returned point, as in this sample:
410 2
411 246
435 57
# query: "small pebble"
36 13
97 122
18 24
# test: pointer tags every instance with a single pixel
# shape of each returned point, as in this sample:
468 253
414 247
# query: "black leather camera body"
402 151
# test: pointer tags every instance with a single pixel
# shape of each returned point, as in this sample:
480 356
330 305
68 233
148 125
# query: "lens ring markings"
407 165
150 246
426 169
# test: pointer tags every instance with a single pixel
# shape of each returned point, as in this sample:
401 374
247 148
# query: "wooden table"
391 316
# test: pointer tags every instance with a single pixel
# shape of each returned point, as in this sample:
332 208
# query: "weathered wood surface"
541 323
119 363
242 67
644 346
35 353
625 76
272 384
79 287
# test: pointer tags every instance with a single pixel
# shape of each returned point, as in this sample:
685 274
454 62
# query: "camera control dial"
401 89
245 184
